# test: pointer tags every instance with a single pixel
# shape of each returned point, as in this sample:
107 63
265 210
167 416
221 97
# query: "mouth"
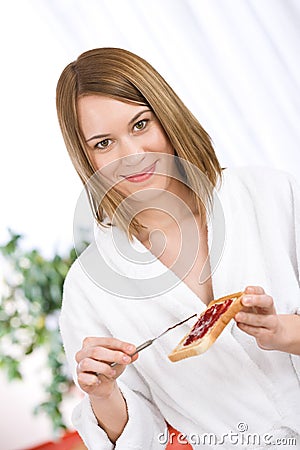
142 176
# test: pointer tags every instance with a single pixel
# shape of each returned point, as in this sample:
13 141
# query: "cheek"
122 188
105 164
98 161
166 146
159 142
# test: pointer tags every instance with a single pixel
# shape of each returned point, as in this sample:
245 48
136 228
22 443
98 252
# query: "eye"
140 125
103 144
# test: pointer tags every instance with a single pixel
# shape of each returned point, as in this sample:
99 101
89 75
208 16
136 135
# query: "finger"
261 301
88 379
88 365
255 320
262 335
109 342
252 331
254 290
89 344
103 354
134 357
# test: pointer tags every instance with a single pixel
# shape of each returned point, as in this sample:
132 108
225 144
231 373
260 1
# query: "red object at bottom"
70 441
176 440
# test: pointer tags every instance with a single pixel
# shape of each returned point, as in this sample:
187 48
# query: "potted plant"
29 309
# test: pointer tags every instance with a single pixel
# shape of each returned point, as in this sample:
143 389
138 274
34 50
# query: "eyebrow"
100 136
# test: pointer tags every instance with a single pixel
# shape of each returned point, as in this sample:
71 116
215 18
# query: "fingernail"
247 300
126 358
250 289
130 348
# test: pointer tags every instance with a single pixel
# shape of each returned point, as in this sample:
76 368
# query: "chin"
146 197
146 194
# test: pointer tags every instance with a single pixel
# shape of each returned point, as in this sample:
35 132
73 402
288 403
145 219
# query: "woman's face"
126 142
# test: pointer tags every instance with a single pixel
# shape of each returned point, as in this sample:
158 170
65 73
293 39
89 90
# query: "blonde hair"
124 76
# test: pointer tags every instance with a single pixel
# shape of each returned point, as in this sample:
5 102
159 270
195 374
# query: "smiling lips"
143 176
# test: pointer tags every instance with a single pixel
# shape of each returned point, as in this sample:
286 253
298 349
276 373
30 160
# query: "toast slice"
208 327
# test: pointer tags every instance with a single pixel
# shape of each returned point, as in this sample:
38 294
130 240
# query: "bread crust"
203 344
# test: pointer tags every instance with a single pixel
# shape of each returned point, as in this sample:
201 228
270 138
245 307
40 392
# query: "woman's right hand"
95 376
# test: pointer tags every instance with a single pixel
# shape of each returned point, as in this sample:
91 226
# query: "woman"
155 187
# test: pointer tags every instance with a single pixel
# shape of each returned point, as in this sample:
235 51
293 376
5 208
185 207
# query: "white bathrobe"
235 387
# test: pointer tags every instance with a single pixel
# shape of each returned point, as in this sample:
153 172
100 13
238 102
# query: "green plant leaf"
29 309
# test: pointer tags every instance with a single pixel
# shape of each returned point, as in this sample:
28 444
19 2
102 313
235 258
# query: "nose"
133 159
132 154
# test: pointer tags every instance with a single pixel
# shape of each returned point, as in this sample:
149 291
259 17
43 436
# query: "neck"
166 211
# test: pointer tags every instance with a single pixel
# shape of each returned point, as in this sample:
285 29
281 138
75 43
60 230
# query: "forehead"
100 113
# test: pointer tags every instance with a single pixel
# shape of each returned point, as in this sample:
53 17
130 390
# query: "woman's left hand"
259 319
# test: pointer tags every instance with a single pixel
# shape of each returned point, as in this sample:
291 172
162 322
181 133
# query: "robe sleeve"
295 198
145 422
295 188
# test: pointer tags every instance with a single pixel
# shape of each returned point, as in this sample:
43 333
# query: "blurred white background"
235 63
